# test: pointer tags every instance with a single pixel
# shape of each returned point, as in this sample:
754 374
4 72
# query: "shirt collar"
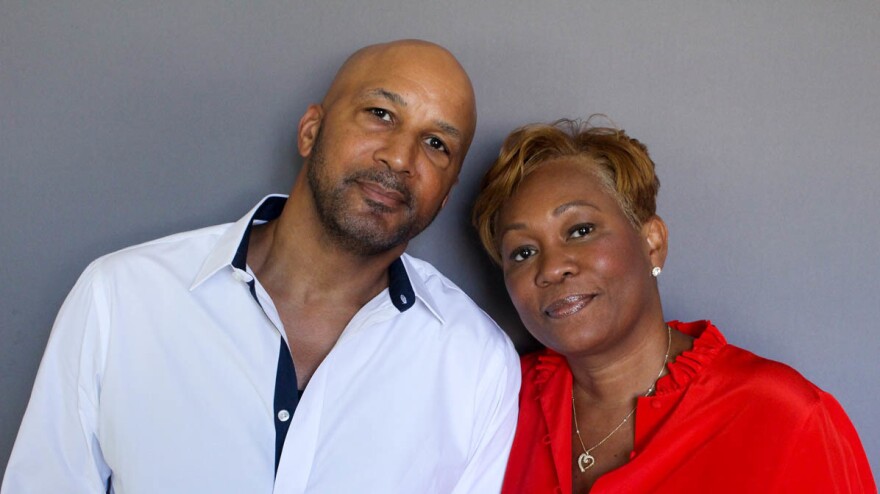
231 252
416 284
231 248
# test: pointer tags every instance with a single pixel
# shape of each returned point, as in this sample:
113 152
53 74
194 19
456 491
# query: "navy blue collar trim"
268 211
399 287
402 295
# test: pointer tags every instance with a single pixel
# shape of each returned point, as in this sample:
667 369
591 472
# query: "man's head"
385 146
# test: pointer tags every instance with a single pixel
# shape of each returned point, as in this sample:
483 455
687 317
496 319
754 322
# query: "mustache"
385 178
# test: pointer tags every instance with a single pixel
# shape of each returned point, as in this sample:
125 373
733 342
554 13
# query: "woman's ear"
655 234
309 127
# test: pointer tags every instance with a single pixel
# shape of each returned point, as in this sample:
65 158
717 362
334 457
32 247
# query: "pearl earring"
656 271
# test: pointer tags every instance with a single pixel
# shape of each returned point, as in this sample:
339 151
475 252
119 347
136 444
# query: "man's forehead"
410 73
420 62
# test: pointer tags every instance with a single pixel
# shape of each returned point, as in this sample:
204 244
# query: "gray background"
124 121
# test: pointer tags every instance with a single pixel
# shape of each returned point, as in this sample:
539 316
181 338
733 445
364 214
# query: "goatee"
364 234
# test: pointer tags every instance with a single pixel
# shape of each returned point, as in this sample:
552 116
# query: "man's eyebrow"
398 100
386 94
448 128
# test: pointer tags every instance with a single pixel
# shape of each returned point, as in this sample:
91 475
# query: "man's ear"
309 126
655 234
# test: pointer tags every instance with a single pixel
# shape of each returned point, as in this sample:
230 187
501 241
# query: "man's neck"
298 262
315 285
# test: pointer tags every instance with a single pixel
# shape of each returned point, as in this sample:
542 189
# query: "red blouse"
722 420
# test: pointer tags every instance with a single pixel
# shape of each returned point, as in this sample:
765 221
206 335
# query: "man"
298 349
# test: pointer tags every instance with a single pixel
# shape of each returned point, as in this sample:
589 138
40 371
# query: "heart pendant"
586 461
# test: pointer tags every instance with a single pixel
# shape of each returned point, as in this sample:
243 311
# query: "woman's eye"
521 254
381 114
582 230
437 144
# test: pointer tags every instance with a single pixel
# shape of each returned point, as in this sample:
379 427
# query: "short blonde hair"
624 167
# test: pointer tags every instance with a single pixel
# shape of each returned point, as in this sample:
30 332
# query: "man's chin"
370 234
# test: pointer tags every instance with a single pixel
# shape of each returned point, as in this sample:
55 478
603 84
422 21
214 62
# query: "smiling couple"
300 349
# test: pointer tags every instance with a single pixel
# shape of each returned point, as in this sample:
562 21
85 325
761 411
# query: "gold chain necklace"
586 460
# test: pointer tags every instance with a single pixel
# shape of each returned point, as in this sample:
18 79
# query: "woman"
621 401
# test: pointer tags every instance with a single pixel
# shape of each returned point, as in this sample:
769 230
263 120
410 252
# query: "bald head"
426 64
385 146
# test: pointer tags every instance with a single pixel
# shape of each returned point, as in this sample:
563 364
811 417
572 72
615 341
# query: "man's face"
384 193
387 150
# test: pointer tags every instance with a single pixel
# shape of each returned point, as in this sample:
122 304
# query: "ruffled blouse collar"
708 342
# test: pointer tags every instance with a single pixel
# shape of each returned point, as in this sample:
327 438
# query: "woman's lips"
567 306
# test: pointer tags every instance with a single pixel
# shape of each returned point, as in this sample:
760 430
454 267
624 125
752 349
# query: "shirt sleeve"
498 406
827 455
57 448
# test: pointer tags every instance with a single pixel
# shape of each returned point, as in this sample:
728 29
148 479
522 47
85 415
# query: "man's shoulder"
451 303
448 296
183 248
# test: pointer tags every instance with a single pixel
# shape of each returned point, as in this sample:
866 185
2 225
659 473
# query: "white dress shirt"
160 377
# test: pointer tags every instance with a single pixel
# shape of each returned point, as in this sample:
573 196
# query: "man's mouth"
382 188
382 195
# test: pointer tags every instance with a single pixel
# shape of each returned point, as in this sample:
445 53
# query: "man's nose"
399 152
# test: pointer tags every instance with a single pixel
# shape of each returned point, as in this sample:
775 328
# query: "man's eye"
582 230
437 144
381 114
521 254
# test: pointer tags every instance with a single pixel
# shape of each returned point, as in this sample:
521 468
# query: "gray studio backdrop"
124 121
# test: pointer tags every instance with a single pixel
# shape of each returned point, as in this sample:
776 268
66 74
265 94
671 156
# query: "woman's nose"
554 266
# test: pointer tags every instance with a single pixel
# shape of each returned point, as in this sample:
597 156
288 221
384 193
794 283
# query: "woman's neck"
625 372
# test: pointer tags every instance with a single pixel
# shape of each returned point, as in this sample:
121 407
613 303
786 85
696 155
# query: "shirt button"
547 439
284 415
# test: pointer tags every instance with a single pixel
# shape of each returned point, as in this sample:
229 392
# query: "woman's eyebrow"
571 204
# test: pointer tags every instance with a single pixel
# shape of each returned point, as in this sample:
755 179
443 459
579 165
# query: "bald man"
298 349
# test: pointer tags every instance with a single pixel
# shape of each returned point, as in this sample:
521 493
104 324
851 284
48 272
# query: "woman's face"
578 272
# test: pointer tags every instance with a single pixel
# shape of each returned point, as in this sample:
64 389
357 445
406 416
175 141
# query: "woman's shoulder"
749 403
746 372
732 369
